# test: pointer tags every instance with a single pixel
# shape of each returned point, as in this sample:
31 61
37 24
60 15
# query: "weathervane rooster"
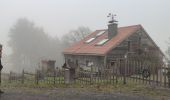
112 18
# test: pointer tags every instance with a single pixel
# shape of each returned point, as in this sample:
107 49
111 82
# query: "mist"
30 45
53 24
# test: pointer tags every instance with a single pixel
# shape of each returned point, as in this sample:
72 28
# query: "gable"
138 40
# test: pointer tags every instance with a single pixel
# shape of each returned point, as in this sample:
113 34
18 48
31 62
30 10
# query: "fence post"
117 70
165 75
10 76
91 75
37 77
124 76
0 77
54 75
168 75
23 76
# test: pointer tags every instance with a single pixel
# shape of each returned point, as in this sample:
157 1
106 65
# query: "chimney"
112 26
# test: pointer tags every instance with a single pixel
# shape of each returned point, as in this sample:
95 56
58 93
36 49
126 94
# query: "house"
103 48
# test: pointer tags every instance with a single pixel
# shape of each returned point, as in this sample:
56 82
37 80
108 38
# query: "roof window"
102 42
89 40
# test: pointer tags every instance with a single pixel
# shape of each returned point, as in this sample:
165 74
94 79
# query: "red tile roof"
82 48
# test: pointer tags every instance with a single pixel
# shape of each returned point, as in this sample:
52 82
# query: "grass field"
129 88
112 84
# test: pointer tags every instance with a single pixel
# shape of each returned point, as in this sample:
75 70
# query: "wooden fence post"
0 77
54 75
124 76
37 77
165 74
10 77
91 75
117 71
22 76
168 76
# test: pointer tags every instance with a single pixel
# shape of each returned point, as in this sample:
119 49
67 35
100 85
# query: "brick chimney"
112 26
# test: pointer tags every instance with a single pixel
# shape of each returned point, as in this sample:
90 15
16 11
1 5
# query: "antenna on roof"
112 18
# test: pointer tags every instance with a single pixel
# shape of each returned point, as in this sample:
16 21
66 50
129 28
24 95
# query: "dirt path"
65 94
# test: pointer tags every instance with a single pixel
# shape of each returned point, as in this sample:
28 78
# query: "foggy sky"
57 17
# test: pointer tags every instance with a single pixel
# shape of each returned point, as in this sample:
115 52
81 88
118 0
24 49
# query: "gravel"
66 94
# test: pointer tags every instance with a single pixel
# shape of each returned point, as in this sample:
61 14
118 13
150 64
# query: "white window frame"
90 40
102 42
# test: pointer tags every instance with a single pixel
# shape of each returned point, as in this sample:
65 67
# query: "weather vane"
112 18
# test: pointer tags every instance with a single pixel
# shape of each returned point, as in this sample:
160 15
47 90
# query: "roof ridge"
139 25
130 26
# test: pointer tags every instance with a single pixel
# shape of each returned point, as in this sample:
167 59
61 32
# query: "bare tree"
75 35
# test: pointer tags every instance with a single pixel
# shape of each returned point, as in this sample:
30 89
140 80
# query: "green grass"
129 88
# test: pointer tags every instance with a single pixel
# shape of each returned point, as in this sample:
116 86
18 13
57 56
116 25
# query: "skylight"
102 42
89 40
100 33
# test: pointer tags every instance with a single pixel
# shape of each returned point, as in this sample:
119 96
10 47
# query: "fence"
55 77
147 73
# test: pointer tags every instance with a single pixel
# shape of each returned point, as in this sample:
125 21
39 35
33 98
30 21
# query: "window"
89 40
100 33
102 42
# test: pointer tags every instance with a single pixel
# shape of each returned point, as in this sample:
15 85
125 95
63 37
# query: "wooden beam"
105 61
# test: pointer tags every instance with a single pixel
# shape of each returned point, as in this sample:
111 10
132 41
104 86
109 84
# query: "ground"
45 91
66 94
